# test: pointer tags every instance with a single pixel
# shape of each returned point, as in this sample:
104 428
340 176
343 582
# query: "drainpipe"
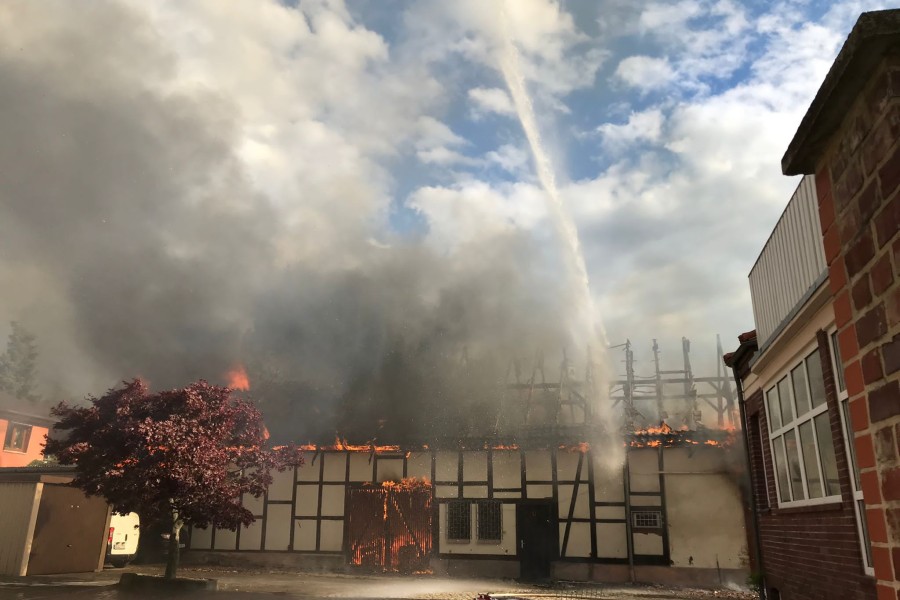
754 510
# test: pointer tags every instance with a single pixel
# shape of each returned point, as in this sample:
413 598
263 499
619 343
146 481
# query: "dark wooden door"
538 534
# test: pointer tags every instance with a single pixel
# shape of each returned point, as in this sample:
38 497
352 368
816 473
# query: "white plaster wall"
335 466
307 500
390 469
648 543
419 465
706 521
579 540
474 466
254 505
282 486
278 527
332 536
225 539
333 500
360 467
201 538
582 503
540 491
611 540
507 469
304 535
567 465
608 486
447 466
537 465
644 470
250 536
310 469
506 546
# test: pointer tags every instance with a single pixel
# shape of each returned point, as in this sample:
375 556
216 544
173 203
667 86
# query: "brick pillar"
858 186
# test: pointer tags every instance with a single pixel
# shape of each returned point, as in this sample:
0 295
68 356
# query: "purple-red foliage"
190 451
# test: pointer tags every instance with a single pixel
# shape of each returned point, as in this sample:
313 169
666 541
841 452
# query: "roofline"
873 35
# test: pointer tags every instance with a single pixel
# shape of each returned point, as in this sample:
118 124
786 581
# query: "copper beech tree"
178 457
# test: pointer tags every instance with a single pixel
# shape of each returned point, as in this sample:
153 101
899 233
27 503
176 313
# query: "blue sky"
330 138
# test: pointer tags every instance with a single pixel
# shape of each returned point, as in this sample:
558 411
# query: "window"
800 434
646 519
17 437
459 521
490 527
859 506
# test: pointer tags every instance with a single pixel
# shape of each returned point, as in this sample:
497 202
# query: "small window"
17 437
489 522
459 521
646 519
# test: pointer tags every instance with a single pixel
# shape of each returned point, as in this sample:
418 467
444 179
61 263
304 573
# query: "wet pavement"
260 585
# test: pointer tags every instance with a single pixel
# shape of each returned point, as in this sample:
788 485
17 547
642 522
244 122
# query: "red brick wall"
858 179
810 552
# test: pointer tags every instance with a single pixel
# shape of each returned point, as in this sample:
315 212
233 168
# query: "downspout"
754 509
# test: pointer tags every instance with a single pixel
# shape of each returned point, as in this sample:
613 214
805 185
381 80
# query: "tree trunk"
174 548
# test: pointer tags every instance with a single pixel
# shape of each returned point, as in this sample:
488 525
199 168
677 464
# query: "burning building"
546 488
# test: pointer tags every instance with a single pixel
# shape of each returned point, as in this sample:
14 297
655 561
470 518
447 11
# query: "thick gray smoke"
135 242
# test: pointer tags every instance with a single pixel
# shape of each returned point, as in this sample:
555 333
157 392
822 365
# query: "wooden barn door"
389 528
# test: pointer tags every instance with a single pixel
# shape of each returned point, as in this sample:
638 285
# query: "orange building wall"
33 452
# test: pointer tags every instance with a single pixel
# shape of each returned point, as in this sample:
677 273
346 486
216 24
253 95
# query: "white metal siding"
17 526
790 262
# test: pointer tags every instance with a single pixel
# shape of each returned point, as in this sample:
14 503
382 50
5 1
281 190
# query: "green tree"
18 365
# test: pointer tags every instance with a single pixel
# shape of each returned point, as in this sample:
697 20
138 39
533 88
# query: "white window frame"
850 452
794 425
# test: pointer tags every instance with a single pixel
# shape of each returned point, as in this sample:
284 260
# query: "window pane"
864 519
774 409
848 434
816 382
784 488
489 524
810 462
838 365
459 521
826 454
801 395
784 394
793 460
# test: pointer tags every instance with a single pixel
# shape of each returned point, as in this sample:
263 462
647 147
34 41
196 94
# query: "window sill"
809 508
13 451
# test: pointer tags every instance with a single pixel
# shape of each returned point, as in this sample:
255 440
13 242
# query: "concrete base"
675 576
477 568
155 583
292 561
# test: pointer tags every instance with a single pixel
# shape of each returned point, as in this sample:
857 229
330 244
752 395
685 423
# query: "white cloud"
644 126
512 159
645 72
491 100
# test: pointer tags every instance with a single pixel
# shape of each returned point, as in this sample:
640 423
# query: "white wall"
506 545
705 513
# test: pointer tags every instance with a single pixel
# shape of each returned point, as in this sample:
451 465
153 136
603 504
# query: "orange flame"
237 378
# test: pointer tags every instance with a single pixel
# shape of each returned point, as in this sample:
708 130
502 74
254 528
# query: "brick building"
848 317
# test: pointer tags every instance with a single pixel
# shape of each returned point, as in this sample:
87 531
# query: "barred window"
459 521
646 519
490 526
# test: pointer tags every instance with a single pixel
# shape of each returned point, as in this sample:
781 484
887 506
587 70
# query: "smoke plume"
155 225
